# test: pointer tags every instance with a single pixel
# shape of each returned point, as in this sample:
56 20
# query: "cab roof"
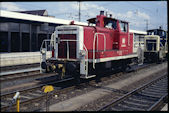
155 29
93 20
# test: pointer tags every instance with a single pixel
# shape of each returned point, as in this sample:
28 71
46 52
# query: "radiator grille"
62 47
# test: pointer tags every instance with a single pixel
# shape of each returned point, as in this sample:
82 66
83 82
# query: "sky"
137 13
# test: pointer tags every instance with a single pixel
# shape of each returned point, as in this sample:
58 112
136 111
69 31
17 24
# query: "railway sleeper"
9 99
129 108
150 95
163 81
161 84
145 97
157 88
38 92
113 109
116 108
142 101
4 104
136 103
25 97
34 94
155 91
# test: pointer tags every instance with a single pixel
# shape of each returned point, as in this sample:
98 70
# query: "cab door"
124 36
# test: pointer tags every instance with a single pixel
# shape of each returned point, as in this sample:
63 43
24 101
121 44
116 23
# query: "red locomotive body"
82 50
116 42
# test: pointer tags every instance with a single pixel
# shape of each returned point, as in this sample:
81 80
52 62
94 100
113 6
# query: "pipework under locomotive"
82 51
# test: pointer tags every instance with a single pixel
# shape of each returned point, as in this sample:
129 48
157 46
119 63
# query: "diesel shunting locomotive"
83 51
156 46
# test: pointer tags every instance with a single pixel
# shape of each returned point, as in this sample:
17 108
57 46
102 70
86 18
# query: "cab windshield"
110 23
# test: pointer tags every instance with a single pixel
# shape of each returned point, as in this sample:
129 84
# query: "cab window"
150 33
164 34
111 24
123 26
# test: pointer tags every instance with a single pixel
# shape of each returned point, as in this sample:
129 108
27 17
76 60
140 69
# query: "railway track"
33 94
24 75
36 73
16 67
148 97
19 75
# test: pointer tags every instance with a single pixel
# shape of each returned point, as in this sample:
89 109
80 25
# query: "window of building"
3 41
41 37
34 42
15 42
25 42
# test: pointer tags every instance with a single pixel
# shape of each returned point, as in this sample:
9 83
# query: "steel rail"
15 67
158 103
39 86
115 102
24 75
36 88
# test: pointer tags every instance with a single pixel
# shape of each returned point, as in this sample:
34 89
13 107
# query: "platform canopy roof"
35 12
30 17
138 32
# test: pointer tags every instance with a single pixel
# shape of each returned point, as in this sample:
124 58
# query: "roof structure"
37 18
155 29
30 17
138 32
36 12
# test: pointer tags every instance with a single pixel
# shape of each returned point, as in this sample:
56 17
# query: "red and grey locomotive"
82 51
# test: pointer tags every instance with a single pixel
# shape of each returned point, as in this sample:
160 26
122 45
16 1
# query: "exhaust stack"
101 12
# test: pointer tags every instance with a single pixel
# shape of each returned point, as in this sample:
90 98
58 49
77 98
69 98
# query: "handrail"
96 35
44 41
85 55
43 53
